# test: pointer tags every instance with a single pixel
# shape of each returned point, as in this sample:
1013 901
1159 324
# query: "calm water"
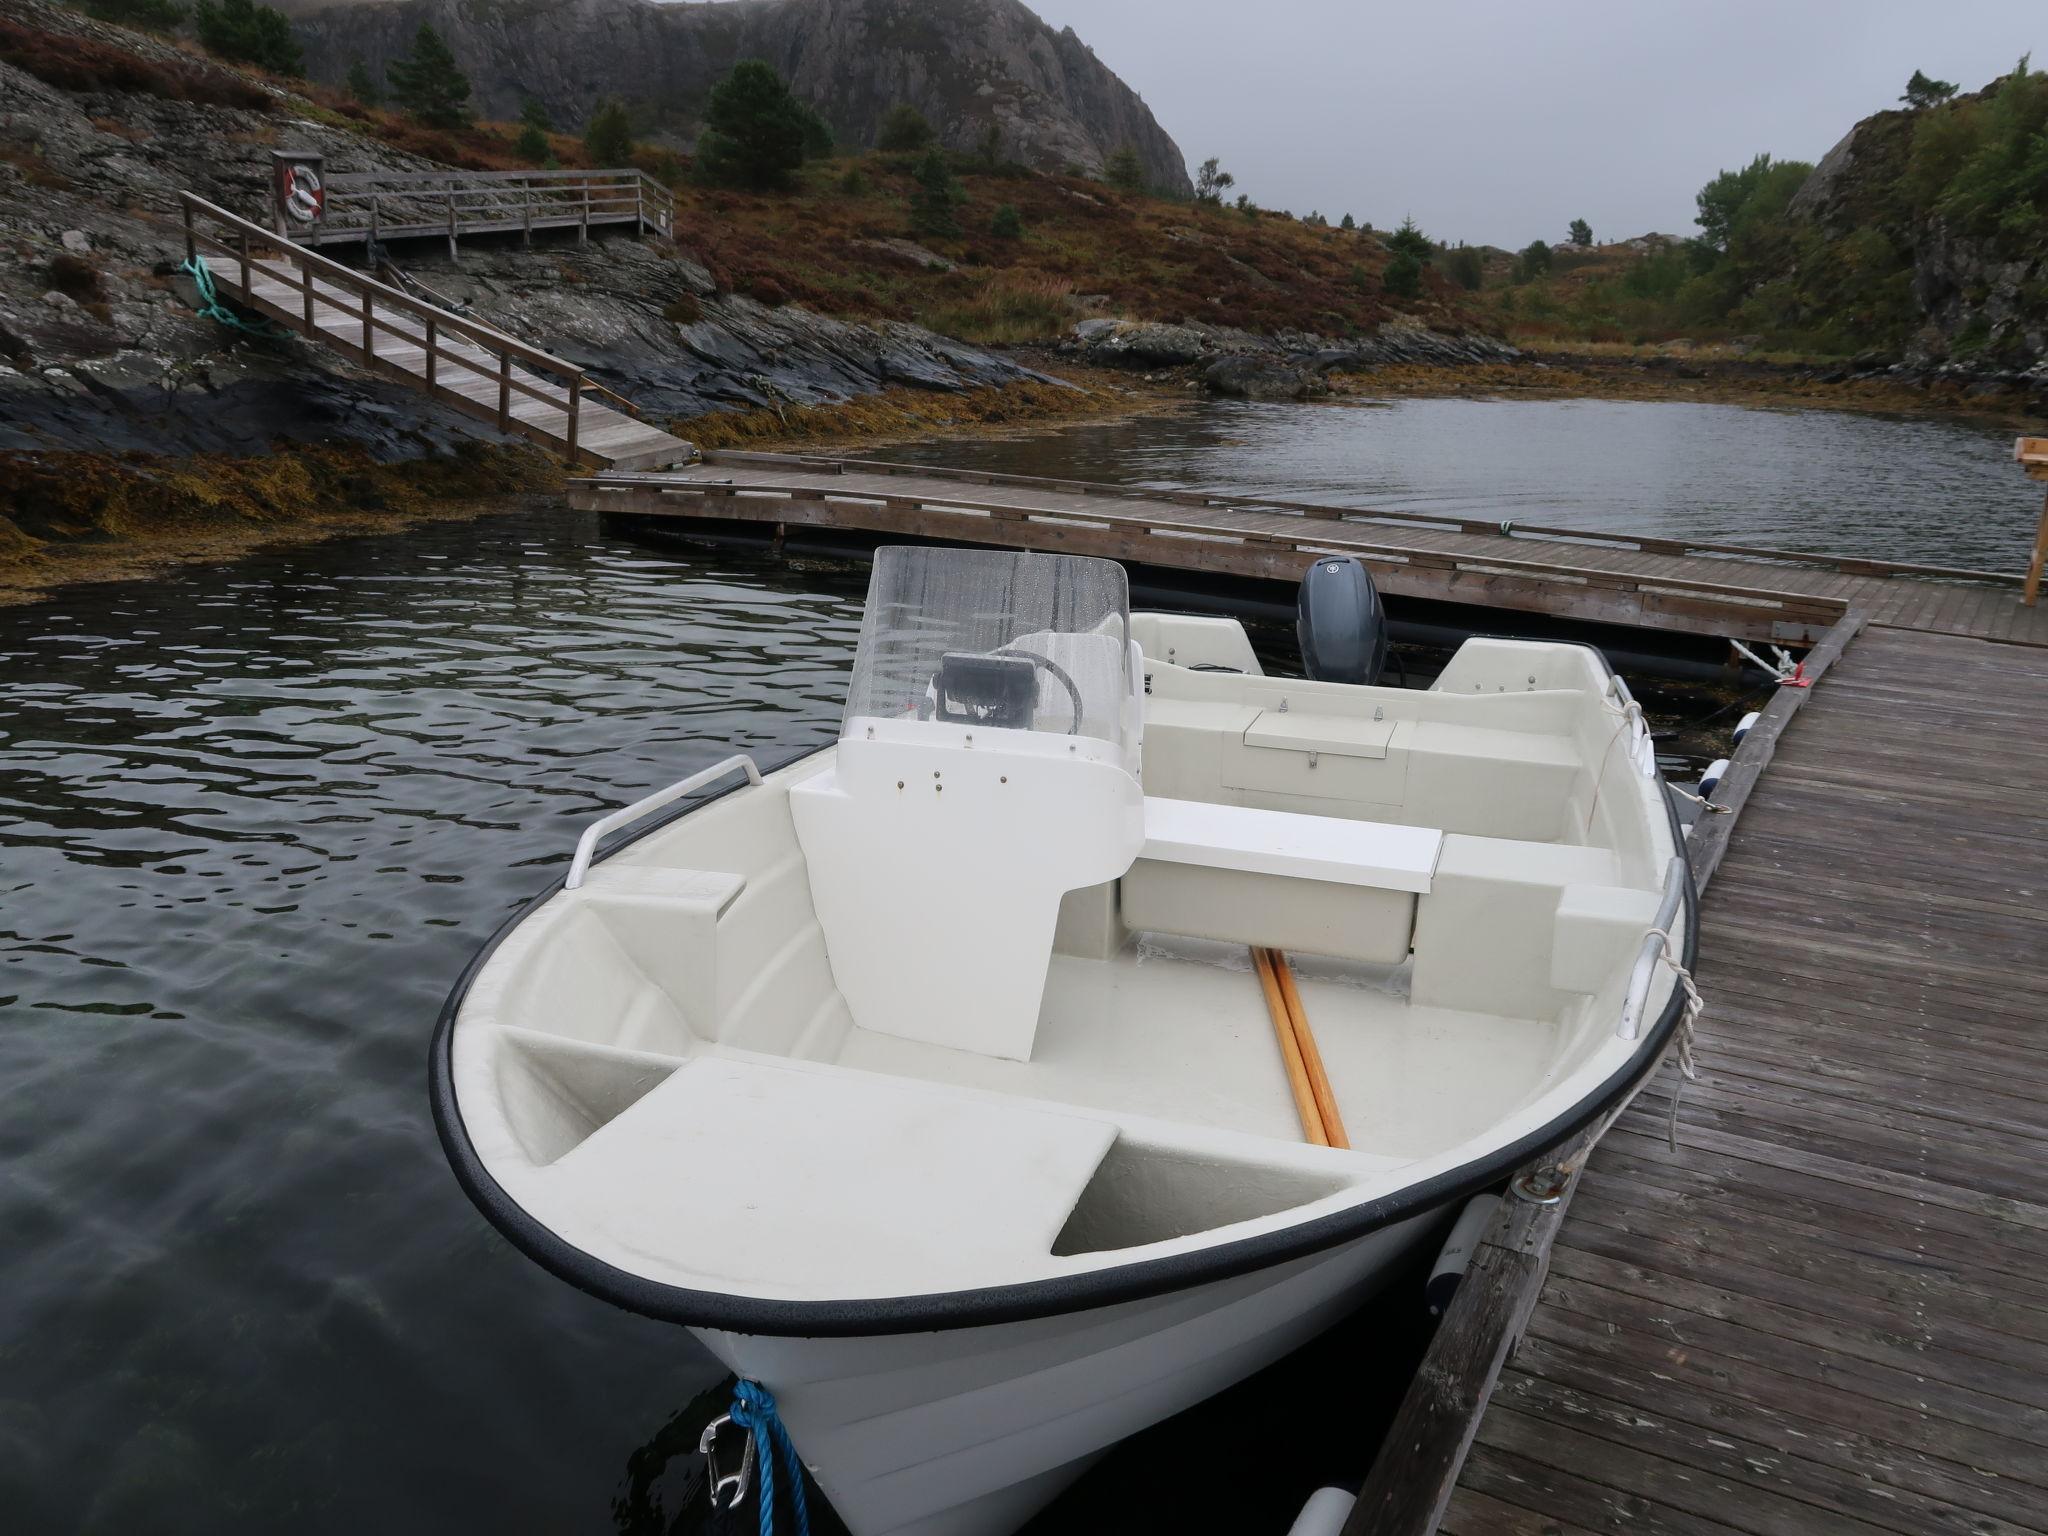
1897 488
253 820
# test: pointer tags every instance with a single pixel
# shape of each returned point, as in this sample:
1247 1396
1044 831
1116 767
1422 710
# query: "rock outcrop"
1288 366
1978 299
101 348
965 64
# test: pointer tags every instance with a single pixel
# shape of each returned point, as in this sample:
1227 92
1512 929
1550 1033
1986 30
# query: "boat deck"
1826 1311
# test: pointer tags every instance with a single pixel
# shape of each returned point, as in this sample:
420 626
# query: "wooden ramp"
1827 1310
473 367
1696 587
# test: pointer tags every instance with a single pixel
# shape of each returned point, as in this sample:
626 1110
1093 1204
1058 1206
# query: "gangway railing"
470 365
397 205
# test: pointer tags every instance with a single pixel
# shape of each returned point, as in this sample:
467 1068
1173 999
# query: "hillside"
966 65
1919 242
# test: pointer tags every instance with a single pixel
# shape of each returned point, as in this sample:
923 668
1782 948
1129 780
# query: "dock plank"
1832 1292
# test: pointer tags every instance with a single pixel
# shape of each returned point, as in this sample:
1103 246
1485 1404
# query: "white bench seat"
1330 848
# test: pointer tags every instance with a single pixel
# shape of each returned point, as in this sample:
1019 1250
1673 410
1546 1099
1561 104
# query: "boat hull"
970 1431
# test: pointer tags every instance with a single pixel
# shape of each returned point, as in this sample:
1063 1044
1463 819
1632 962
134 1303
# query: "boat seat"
1315 884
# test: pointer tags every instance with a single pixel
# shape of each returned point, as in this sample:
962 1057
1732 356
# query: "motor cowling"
1339 623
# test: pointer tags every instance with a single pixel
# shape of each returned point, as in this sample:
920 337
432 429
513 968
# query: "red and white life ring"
303 197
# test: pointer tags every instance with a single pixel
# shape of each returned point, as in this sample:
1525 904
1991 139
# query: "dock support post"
245 263
369 334
504 391
526 209
306 277
433 340
2031 593
575 411
451 219
191 241
583 227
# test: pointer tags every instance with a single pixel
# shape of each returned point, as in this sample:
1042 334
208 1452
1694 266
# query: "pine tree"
427 84
1124 170
534 127
1581 232
932 204
1348 222
1008 224
1211 182
1922 91
754 129
244 32
608 136
361 85
904 130
1409 240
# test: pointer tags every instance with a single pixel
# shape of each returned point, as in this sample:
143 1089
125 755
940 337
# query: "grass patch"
1010 309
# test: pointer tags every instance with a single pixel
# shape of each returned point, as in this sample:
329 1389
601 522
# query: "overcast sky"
1498 123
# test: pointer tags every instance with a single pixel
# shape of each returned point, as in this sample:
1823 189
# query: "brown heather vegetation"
897 413
1141 257
74 62
77 516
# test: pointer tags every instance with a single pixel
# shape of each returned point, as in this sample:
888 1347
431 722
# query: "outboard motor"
1339 623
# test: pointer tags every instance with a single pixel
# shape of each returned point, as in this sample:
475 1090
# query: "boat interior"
969 998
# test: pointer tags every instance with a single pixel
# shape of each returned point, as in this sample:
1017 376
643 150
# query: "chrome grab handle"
1631 1024
1642 748
586 845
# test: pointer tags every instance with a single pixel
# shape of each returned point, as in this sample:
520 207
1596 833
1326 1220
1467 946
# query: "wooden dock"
1825 1311
1694 587
463 363
365 206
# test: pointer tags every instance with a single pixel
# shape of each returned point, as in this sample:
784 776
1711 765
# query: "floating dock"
1824 1308
1694 587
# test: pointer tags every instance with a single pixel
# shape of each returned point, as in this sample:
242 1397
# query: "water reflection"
1900 488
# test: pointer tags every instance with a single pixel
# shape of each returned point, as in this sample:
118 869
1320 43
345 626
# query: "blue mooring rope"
210 306
753 1409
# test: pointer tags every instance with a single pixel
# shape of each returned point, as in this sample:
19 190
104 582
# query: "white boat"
929 1079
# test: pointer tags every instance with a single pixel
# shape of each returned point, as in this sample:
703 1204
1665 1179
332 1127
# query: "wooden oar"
1311 1056
1290 1051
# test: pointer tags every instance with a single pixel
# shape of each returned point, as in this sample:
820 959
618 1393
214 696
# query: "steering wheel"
1047 664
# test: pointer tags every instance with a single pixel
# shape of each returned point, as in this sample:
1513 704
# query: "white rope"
1700 800
1682 1038
1780 669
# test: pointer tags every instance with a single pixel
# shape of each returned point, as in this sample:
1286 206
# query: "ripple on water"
253 820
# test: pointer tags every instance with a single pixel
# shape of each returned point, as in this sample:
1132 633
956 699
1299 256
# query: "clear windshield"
994 638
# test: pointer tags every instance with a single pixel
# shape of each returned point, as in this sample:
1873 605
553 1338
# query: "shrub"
608 136
903 130
818 143
1464 268
1008 224
361 85
1533 262
1211 182
1581 233
683 310
1124 170
73 63
244 32
932 204
155 15
855 182
534 127
76 278
1403 277
754 129
427 84
1348 222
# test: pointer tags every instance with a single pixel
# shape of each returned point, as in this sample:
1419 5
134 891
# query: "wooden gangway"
401 205
1824 1310
1693 586
462 362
